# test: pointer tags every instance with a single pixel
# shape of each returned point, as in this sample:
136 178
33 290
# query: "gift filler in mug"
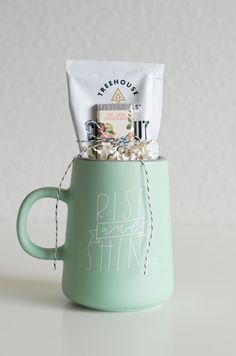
117 253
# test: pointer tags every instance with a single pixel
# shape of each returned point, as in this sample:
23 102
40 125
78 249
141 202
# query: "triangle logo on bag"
118 96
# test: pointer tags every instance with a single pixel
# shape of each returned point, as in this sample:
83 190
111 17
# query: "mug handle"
23 237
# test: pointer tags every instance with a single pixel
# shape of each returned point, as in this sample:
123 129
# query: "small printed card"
115 121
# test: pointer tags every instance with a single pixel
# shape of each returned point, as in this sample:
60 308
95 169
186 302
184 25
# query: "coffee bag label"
92 83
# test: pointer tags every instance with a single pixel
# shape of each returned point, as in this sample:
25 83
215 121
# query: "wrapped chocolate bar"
115 121
116 104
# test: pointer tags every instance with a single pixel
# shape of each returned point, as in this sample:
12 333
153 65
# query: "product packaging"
114 104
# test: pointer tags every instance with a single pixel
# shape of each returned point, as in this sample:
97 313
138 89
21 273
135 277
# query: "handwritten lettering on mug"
118 232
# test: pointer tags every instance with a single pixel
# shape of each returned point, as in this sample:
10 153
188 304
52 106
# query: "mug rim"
159 159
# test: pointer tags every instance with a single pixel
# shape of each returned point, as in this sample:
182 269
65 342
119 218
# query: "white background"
195 39
196 42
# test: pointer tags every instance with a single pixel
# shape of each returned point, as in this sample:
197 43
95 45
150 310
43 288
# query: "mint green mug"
108 232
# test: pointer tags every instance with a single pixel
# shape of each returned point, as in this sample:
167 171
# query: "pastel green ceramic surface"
108 227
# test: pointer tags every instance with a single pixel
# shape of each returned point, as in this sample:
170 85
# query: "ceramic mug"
107 233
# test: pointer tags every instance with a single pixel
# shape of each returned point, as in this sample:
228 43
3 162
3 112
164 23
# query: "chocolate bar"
115 121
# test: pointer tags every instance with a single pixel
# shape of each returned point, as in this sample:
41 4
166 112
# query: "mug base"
122 310
116 309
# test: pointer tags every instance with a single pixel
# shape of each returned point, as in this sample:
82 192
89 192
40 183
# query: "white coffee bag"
92 83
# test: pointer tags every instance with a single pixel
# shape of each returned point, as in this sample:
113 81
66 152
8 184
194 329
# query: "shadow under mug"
107 234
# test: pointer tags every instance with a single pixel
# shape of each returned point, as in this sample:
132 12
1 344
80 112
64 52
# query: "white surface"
36 319
196 41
